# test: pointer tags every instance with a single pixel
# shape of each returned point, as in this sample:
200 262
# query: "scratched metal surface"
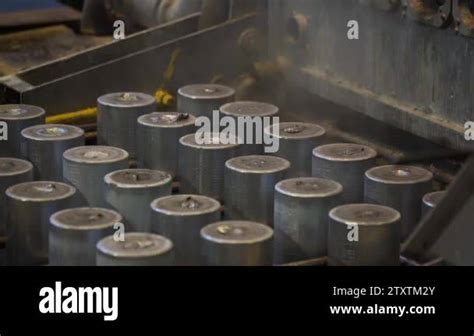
407 74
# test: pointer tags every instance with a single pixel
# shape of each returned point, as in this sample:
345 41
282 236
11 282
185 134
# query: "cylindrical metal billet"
399 187
158 140
346 164
250 187
237 243
12 172
364 235
431 201
251 118
30 205
301 220
17 118
201 100
181 218
44 146
117 115
202 164
74 234
131 192
136 249
85 168
296 144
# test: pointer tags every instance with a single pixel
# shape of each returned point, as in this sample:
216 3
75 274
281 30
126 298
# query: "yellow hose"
163 98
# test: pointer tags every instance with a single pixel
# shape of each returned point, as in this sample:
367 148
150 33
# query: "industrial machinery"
373 97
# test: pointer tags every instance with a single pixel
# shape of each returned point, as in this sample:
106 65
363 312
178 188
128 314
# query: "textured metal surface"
237 243
431 200
201 167
74 234
297 142
18 117
201 100
86 167
250 187
44 145
421 91
12 172
256 114
181 218
346 164
131 192
378 242
401 188
137 249
302 206
158 140
29 207
117 115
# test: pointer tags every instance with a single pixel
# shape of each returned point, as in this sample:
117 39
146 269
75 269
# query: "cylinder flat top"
185 205
296 131
95 154
20 112
364 214
52 132
206 91
126 100
258 164
434 198
344 152
40 191
167 120
209 141
138 178
135 245
399 174
249 109
12 167
237 232
309 187
85 219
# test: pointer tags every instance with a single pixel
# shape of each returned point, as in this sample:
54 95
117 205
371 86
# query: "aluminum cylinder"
30 205
346 164
431 201
74 234
181 218
296 144
401 188
302 207
131 191
17 118
158 140
251 118
237 243
201 100
136 249
202 164
85 168
250 187
12 172
44 146
364 235
117 115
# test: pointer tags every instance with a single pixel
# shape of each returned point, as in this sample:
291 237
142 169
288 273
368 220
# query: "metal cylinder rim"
396 215
61 225
28 166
